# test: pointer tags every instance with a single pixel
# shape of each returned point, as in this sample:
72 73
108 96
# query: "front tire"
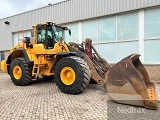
72 75
20 73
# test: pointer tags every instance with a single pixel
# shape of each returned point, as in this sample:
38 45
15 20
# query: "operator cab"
49 34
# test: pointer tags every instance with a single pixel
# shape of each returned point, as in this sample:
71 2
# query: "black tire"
26 77
48 77
82 74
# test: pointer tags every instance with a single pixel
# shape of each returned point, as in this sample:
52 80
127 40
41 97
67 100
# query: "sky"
13 7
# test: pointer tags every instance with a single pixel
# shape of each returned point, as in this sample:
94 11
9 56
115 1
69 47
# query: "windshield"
59 32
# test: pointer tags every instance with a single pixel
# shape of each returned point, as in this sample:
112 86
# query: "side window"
50 34
59 34
41 36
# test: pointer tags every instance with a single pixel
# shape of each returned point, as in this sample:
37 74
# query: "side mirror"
69 31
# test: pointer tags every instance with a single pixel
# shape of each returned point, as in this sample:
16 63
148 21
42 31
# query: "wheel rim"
67 75
17 72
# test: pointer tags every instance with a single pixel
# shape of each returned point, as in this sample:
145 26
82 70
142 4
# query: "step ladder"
36 70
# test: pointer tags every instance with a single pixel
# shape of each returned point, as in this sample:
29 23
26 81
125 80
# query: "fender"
20 52
61 55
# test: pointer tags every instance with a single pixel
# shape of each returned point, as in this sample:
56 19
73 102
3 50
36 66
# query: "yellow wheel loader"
74 65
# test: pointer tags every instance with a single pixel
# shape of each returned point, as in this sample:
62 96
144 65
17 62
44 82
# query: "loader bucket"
127 82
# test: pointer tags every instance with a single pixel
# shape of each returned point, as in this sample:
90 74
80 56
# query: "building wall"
4 55
153 72
67 11
0 56
116 36
117 27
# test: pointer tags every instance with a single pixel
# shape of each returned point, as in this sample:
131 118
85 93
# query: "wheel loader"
74 65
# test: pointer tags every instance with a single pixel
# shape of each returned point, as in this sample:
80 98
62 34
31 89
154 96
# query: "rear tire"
79 72
20 73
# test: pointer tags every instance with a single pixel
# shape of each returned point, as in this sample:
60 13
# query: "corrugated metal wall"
67 11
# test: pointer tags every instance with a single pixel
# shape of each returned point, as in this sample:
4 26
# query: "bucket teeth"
152 102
